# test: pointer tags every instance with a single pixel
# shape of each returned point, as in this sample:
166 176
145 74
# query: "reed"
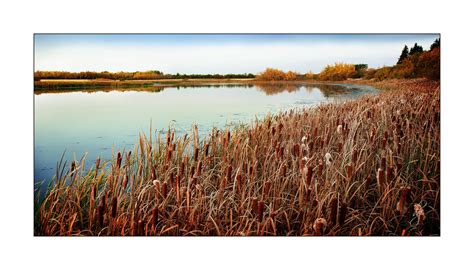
370 166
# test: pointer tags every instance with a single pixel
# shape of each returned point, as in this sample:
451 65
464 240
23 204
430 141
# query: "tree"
416 49
404 55
436 44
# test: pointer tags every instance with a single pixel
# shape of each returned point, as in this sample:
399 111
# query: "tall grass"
364 167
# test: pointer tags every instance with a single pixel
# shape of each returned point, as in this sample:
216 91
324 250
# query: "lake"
93 122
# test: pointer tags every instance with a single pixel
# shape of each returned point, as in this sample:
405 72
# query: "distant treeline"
413 63
138 75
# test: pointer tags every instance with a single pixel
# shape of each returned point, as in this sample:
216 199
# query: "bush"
271 74
337 72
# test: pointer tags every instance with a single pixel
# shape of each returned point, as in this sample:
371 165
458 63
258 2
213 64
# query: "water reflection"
328 90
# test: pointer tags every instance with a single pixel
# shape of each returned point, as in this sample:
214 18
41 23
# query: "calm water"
94 122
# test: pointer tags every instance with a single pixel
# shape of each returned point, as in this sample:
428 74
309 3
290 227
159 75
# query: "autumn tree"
403 56
271 74
416 49
436 44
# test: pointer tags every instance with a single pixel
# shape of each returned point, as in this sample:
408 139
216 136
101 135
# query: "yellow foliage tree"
272 74
337 72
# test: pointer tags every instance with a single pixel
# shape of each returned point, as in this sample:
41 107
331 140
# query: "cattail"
402 202
119 160
261 206
339 147
389 173
283 170
206 150
368 181
319 225
125 182
196 154
114 207
380 178
239 181
140 227
181 168
350 171
100 215
320 169
266 188
103 201
333 211
339 129
342 214
73 166
383 163
164 189
229 172
191 173
255 205
199 168
154 216
178 184
296 150
309 175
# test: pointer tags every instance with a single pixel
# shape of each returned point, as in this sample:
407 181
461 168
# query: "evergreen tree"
436 44
416 49
404 55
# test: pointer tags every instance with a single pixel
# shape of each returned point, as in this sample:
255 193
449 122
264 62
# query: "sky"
217 53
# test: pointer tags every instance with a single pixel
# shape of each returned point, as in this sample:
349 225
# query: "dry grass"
364 167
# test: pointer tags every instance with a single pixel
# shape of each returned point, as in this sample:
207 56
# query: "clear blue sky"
227 53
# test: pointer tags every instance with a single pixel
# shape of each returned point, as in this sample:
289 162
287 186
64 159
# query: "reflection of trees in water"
95 90
328 90
331 90
276 88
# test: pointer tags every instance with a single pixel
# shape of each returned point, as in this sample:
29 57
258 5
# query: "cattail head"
100 215
339 129
350 171
255 205
333 211
164 189
309 174
229 172
319 225
196 154
73 166
261 206
114 207
380 178
119 160
342 214
199 168
154 216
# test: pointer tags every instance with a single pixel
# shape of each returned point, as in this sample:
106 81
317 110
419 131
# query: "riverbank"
149 85
364 167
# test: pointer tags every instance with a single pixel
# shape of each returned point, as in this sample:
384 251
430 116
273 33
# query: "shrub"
337 72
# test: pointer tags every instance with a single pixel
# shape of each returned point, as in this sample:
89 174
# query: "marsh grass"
365 167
